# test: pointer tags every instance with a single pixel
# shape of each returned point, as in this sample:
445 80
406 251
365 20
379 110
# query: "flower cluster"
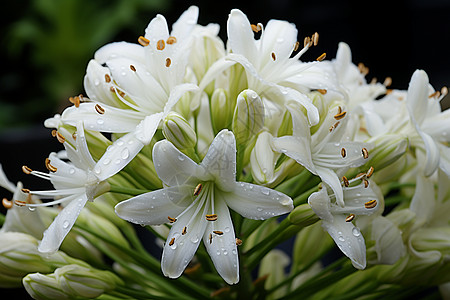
205 145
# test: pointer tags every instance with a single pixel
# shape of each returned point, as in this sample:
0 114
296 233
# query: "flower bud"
248 119
432 239
303 215
388 149
263 159
221 110
41 286
178 131
273 264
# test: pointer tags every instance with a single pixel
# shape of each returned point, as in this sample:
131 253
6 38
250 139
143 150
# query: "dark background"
46 45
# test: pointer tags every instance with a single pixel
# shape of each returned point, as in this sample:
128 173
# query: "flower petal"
5 183
147 127
423 201
185 23
240 34
97 89
61 225
120 49
297 148
417 98
256 202
222 247
279 37
153 208
432 151
331 179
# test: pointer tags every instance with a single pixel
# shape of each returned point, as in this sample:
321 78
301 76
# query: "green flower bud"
221 110
248 119
388 149
273 264
41 286
178 131
303 216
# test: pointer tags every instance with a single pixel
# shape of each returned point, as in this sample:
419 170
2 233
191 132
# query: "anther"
121 93
210 238
321 57
112 89
183 232
132 68
212 217
143 41
363 69
350 218
75 101
365 153
99 109
49 166
171 220
26 170
107 78
60 137
343 152
6 203
168 62
366 182
274 57
370 204
238 242
307 42
27 191
369 172
198 189
171 40
322 91
54 133
20 203
340 115
296 46
387 82
346 182
315 38
334 126
160 45
435 94
218 232
172 241
256 28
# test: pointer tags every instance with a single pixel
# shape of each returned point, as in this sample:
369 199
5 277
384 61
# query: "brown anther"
210 238
365 153
212 217
296 46
49 166
436 94
112 89
388 91
160 45
7 203
183 232
172 241
218 232
99 109
256 28
143 41
168 62
346 182
322 91
321 57
193 269
350 218
121 93
171 219
444 91
26 170
315 38
307 42
20 203
238 242
363 69
75 101
60 137
387 81
369 172
198 189
107 78
171 40
370 204
54 133
334 126
274 57
340 115
366 182
343 152
132 68
74 135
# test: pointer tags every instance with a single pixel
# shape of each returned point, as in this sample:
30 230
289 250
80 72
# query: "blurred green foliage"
48 43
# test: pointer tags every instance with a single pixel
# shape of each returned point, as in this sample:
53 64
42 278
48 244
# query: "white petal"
61 225
388 241
240 34
256 202
444 160
423 201
297 148
330 178
120 49
220 160
80 155
355 198
117 156
66 175
348 238
97 89
432 151
417 98
176 93
222 248
279 37
172 166
153 208
185 23
4 182
320 204
147 127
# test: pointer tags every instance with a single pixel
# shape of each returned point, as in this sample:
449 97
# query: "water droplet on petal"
356 231
107 161
65 224
181 157
173 246
71 171
341 238
125 153
227 229
30 208
225 252
285 201
218 252
97 170
259 209
265 191
234 251
97 82
100 121
194 239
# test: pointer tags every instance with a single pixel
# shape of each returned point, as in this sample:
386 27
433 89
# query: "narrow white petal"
157 30
432 151
176 93
120 49
297 148
279 37
423 201
95 85
80 155
444 160
172 166
389 245
4 182
185 23
256 202
155 207
57 231
417 98
329 177
147 127
222 247
66 175
240 34
320 204
356 197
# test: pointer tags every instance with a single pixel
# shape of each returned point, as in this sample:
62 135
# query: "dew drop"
117 161
97 170
225 252
65 224
120 143
30 208
173 246
107 161
180 157
100 121
259 209
285 201
71 171
125 153
218 252
356 231
265 191
194 239
227 229
341 238
123 74
97 82
234 251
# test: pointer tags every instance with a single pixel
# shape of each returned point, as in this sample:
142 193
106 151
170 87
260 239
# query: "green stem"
126 190
301 199
136 293
2 219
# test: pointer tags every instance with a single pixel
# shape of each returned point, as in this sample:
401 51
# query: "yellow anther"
370 204
99 109
350 218
143 41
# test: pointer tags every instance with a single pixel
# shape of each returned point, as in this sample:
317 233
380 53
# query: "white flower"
325 153
337 220
196 201
75 183
133 87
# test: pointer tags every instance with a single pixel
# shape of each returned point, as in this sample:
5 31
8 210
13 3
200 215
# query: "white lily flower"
196 201
337 220
132 88
325 153
75 183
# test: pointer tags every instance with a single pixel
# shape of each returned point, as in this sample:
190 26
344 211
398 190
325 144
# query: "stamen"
350 218
218 232
365 153
107 78
273 56
321 57
256 28
210 238
343 152
387 82
20 203
307 42
171 40
212 217
296 46
346 182
75 101
389 91
334 126
132 68
99 109
143 41
435 94
238 242
315 38
112 89
366 182
363 69
172 241
160 45
26 191
74 135
183 232
370 204
340 115
26 170
198 189
6 203
369 172
322 91
168 62
444 91
171 220
54 133
49 166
